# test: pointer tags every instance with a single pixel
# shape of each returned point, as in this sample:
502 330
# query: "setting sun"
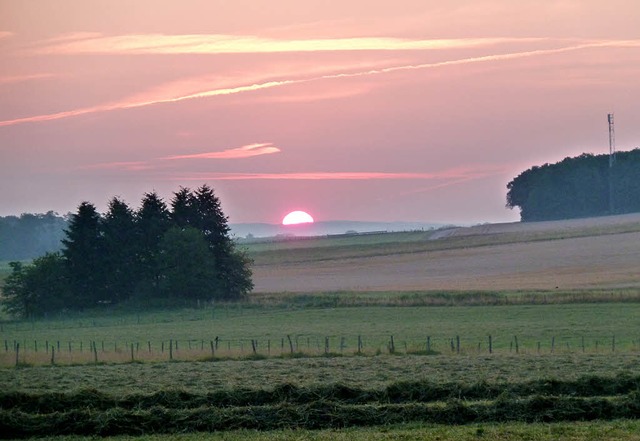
297 217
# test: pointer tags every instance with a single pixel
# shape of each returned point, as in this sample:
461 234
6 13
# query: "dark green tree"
183 208
234 272
583 186
37 289
187 266
201 209
153 219
120 251
186 253
83 253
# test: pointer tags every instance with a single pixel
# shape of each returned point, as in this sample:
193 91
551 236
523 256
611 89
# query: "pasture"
239 331
359 337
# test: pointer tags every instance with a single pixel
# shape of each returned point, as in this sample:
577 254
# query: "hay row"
396 393
319 414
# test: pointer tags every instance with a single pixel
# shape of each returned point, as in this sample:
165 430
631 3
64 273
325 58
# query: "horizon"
367 112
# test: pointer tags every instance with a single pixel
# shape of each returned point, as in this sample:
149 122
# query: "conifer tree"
152 222
183 208
83 252
120 250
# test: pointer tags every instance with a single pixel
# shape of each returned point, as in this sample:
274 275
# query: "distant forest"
28 236
583 186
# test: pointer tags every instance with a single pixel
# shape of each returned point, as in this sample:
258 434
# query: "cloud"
5 34
150 100
332 94
455 173
21 78
246 151
127 165
238 44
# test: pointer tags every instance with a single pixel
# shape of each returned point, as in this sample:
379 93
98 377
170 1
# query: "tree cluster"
30 235
179 252
582 186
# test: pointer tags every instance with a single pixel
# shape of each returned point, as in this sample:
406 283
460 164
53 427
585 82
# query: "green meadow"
243 330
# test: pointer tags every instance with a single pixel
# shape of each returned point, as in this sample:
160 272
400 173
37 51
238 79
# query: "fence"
34 352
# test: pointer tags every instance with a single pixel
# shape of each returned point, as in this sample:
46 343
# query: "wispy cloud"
455 173
234 44
21 78
246 151
123 165
224 91
5 34
332 94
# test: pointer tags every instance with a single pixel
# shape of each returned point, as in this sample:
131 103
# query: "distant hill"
259 230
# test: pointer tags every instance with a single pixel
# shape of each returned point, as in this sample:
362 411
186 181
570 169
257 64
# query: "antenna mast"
612 140
612 159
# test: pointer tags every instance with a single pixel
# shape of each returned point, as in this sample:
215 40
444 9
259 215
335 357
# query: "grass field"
320 364
572 327
623 430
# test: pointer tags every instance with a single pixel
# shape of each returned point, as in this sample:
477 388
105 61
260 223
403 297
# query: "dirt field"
602 260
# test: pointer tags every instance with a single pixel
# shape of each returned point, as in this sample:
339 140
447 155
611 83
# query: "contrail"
281 83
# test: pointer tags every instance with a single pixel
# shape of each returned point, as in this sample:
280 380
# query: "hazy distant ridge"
323 228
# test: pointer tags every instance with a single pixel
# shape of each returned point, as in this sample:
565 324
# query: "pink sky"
412 110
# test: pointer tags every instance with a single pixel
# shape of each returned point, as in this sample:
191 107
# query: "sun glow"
297 217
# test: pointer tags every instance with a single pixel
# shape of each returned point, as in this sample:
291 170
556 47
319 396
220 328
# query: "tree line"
581 186
155 253
30 235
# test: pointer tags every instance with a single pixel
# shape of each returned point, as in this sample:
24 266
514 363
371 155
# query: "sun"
297 217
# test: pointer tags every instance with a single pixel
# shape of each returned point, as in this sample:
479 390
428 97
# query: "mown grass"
320 407
356 372
623 430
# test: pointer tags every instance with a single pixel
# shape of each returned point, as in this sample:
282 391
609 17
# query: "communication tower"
612 159
612 140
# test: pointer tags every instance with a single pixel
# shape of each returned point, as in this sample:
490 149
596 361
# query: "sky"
411 110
